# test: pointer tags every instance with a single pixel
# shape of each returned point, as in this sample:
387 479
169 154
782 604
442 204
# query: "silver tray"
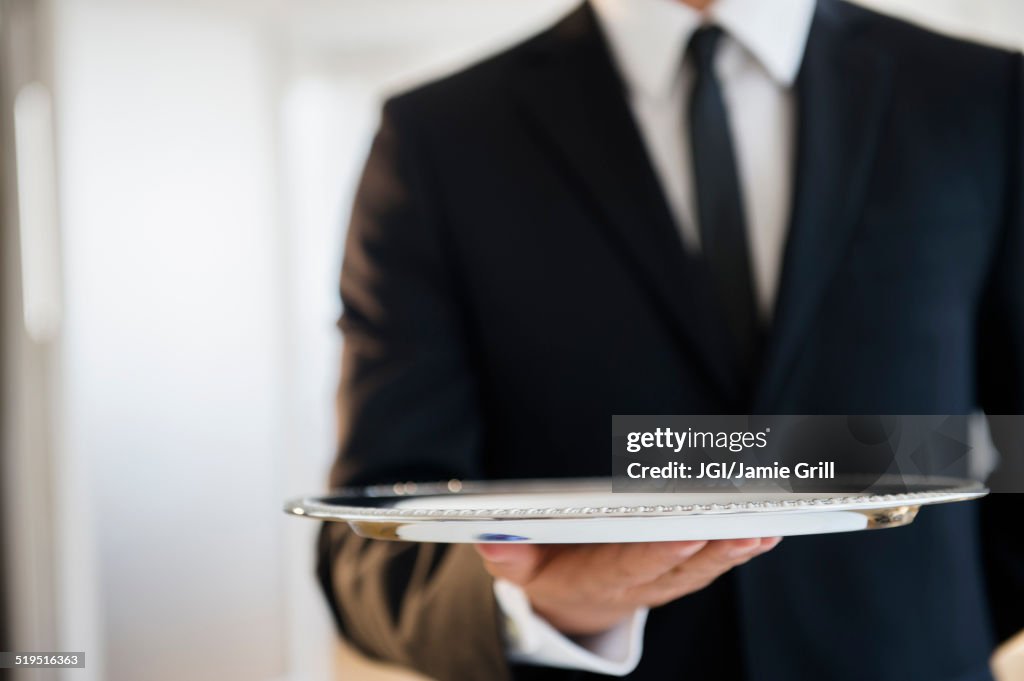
584 511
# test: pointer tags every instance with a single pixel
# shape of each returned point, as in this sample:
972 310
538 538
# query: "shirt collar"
648 37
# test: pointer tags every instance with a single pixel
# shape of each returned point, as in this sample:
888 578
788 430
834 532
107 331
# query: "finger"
705 566
719 556
627 565
516 563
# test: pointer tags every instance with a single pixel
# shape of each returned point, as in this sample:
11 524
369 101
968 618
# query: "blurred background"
174 181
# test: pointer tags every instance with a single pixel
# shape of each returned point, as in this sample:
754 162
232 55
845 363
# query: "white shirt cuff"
529 639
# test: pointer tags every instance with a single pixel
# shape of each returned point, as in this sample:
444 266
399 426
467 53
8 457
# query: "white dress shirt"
757 63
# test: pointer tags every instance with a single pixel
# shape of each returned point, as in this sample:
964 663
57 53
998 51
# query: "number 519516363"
42 660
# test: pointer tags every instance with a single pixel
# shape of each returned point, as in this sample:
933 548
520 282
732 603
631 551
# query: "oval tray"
580 511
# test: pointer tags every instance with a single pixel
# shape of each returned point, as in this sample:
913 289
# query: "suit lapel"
574 101
842 91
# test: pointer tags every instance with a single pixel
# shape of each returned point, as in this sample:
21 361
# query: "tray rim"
318 507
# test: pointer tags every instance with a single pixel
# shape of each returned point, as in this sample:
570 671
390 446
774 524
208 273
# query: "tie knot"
702 46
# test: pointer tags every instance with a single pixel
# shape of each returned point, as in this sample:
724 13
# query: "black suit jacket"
513 277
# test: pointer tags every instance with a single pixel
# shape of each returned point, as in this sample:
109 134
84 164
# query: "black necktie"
723 231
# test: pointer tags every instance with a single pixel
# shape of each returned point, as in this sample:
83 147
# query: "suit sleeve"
407 410
1001 389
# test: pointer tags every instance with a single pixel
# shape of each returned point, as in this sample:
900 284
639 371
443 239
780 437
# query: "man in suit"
666 207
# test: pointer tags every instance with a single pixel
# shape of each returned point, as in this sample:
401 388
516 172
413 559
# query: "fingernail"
690 549
743 550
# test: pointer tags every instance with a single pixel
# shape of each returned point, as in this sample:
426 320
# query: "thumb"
515 562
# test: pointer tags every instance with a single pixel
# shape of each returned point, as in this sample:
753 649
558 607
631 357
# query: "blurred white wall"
174 344
207 154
